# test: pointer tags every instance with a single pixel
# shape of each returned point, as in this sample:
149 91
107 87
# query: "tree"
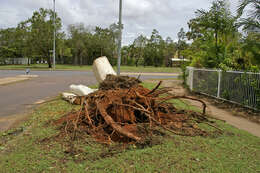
106 40
138 48
181 42
169 51
126 60
154 50
251 48
10 44
218 20
64 51
40 33
23 39
88 43
78 34
252 22
251 42
212 31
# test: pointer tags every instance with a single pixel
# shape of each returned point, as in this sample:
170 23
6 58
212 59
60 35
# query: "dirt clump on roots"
117 113
123 82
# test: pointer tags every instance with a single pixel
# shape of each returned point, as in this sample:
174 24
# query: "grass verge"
34 148
45 67
138 69
141 69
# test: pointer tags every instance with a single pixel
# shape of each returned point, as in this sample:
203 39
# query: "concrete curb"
19 78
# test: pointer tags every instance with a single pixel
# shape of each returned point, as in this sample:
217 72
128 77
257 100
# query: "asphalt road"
16 98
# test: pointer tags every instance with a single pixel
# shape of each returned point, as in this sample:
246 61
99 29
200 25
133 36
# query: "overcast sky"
139 16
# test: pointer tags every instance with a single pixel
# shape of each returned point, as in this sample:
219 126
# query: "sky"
139 16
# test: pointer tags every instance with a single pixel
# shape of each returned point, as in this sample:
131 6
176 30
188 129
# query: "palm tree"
252 22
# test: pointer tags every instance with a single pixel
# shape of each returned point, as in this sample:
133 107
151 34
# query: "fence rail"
235 86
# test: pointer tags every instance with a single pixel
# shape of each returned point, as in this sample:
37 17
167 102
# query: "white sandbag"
81 90
101 68
69 97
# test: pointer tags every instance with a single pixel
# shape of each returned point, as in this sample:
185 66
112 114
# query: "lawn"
45 67
89 68
149 69
33 148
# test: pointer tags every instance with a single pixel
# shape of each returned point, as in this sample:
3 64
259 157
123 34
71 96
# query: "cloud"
139 17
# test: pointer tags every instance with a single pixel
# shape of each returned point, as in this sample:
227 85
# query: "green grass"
179 104
45 67
89 68
183 104
30 148
149 69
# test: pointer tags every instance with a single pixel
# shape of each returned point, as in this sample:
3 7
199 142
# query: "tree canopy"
215 40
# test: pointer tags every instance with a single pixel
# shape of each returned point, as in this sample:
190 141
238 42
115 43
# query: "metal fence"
16 61
239 87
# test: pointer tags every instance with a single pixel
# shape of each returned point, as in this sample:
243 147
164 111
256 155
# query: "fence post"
186 78
191 81
219 82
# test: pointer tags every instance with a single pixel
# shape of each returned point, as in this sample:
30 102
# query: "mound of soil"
112 82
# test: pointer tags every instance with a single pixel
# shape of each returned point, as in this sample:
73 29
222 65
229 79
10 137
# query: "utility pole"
120 38
54 34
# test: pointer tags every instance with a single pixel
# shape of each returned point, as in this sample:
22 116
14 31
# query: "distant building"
177 61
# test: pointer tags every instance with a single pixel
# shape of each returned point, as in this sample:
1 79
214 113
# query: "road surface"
15 98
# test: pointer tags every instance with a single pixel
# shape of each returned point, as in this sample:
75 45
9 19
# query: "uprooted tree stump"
128 112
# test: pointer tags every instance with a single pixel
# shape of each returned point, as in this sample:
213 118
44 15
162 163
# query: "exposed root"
129 115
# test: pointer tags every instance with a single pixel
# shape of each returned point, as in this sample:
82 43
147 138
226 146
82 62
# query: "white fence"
17 61
235 86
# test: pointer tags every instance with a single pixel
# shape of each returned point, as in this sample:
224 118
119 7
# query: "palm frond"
255 5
